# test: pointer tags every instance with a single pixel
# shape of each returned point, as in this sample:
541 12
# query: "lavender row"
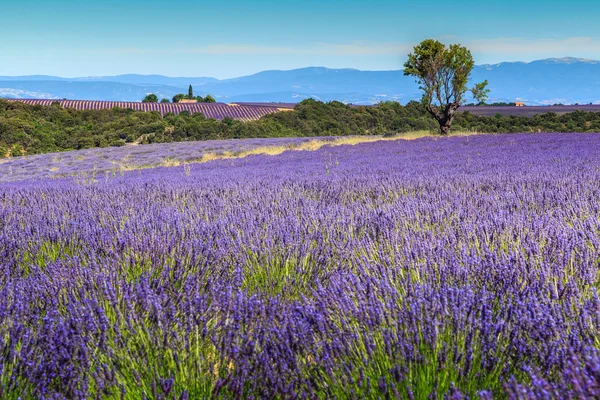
458 267
209 110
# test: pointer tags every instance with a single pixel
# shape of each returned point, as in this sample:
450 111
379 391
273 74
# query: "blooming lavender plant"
463 267
93 164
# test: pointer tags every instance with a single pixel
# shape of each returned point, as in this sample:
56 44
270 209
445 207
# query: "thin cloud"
122 51
363 48
343 49
495 48
528 49
226 49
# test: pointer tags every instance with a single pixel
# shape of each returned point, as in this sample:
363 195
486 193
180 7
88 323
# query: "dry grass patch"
310 145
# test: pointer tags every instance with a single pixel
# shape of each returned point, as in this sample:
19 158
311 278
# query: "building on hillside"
519 104
188 101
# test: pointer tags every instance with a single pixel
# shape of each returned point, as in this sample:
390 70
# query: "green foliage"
443 73
190 96
165 101
207 99
178 97
150 98
480 91
26 129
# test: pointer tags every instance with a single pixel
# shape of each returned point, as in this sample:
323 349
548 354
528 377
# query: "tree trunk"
446 117
445 127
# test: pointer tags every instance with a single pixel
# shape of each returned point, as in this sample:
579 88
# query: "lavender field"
218 111
461 267
102 163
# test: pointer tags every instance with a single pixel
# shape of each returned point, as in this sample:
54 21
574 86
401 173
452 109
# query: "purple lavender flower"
461 267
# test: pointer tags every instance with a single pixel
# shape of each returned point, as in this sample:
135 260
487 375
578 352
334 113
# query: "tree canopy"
443 74
150 98
190 96
178 97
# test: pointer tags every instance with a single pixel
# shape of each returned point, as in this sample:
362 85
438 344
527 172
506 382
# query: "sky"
225 39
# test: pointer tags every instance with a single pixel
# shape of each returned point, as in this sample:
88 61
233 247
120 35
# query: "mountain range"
557 80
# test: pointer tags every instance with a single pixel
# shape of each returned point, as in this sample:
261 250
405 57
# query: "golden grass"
316 144
310 145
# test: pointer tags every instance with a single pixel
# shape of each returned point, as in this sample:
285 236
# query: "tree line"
152 98
27 129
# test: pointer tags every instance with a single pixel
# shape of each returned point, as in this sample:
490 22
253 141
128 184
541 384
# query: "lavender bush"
455 268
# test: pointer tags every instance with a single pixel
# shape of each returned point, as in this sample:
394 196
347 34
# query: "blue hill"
564 80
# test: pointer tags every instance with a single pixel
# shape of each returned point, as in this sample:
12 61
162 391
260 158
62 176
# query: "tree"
190 93
150 98
165 101
443 73
207 99
178 97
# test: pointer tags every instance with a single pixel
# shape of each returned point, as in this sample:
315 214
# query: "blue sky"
231 38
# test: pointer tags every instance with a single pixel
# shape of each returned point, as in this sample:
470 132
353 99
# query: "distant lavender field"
114 160
209 110
438 268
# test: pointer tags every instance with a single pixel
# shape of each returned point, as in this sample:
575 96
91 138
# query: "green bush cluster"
26 129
